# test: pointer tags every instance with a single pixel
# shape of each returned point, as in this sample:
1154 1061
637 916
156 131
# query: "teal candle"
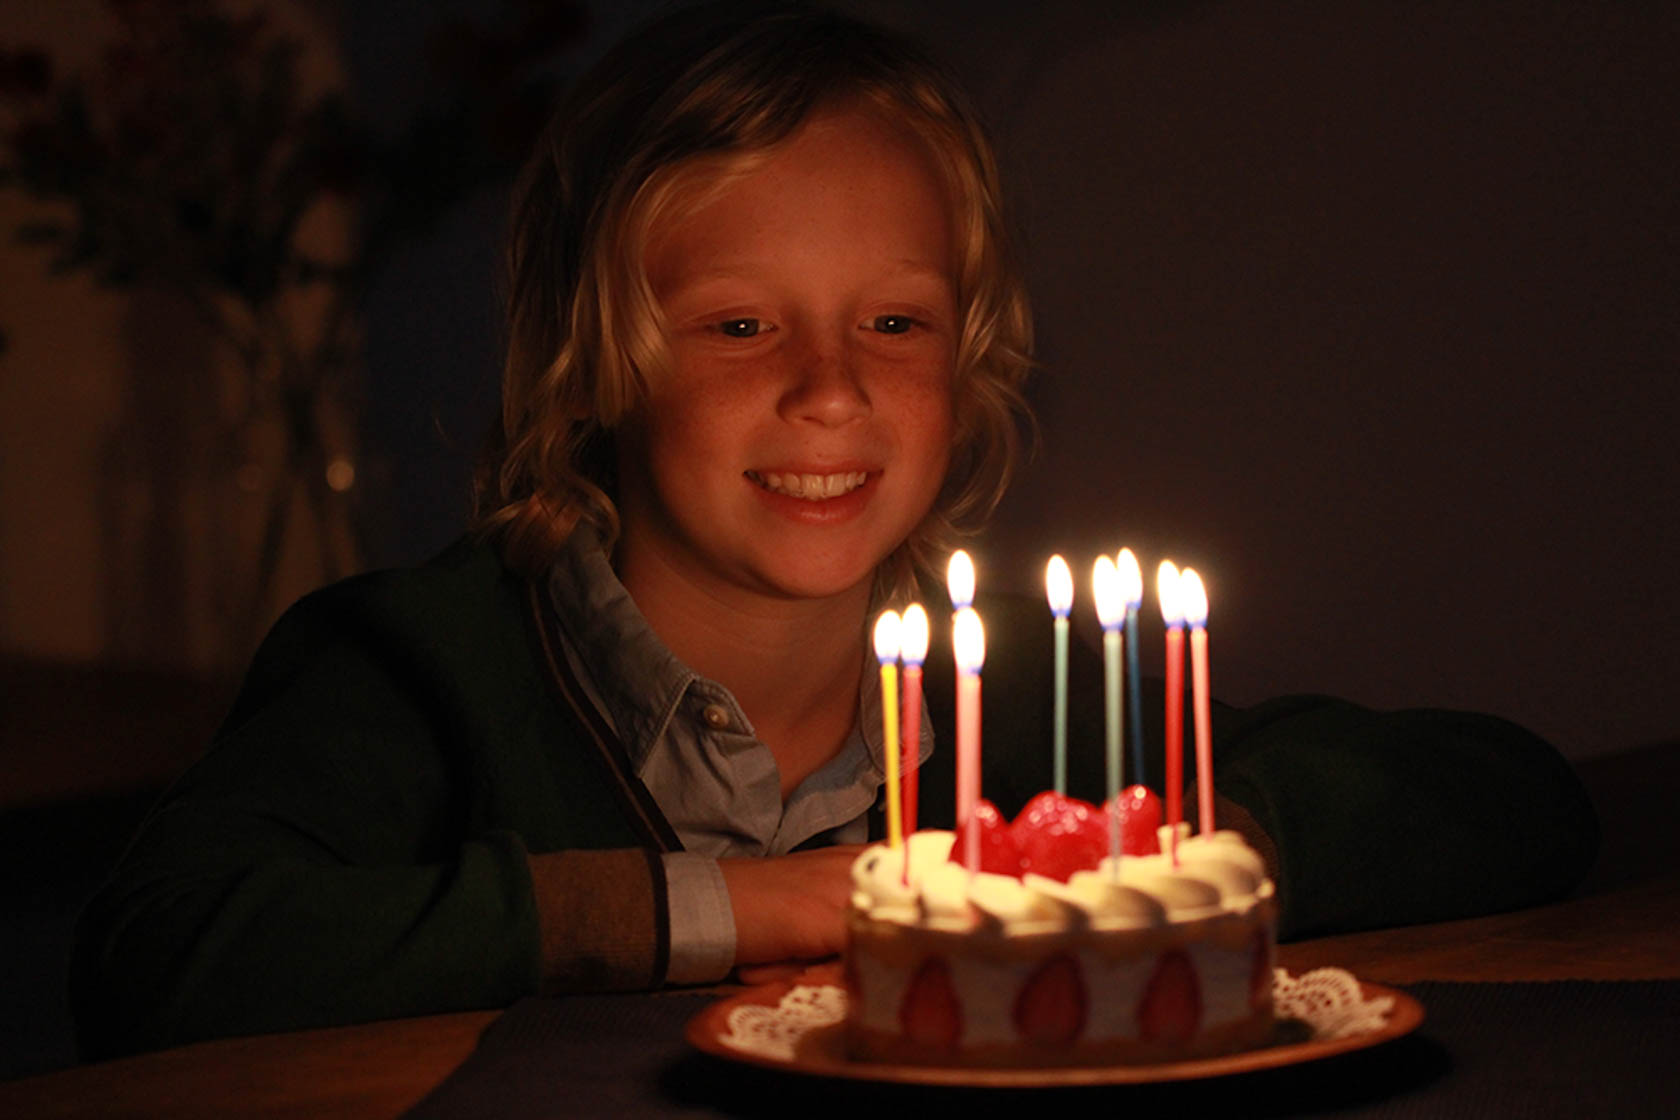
1133 687
1058 590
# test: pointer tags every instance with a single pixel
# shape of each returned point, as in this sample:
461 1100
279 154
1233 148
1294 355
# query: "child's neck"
794 666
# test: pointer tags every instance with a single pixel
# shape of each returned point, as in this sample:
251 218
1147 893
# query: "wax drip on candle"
1172 615
1058 589
887 629
1195 600
1111 612
913 646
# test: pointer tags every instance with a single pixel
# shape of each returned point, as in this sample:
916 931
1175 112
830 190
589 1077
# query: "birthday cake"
1145 958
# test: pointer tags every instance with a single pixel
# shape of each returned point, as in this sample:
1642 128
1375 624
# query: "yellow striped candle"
886 652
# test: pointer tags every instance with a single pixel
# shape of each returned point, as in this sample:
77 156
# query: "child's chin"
819 579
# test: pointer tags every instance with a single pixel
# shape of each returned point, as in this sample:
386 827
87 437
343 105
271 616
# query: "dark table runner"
1566 1049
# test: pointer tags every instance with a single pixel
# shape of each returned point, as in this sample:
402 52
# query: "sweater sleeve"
1390 818
357 845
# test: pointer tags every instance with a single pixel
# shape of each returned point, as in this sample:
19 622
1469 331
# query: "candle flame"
886 637
1167 590
913 637
968 638
959 577
1105 588
1131 578
1058 586
1194 598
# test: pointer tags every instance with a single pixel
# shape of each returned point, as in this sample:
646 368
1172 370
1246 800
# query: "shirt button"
716 716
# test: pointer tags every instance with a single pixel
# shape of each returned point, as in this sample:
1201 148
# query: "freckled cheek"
926 425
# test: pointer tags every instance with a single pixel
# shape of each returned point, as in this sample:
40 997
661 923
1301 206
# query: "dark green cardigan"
353 846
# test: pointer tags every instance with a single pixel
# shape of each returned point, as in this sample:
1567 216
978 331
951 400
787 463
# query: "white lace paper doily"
1327 1000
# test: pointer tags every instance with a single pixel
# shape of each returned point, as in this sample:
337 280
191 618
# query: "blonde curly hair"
701 95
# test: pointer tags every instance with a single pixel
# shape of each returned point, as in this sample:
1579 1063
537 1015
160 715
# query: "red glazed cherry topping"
998 852
931 1014
1059 835
1140 817
1051 1008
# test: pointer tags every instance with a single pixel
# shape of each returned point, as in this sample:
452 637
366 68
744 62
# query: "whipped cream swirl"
1217 873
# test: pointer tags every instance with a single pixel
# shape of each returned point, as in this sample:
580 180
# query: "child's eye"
739 328
892 324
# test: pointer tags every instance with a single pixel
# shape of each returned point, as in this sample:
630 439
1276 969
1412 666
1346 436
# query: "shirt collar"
638 680
640 683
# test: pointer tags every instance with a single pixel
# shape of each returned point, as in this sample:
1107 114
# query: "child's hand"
788 909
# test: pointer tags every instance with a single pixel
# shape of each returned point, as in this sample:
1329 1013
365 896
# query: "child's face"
811 319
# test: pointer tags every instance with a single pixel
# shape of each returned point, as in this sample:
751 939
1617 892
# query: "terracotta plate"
820 1052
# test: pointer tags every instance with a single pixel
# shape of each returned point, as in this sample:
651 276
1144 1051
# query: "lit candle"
959 578
1172 614
1194 597
1131 584
887 629
1058 589
1111 612
913 645
968 639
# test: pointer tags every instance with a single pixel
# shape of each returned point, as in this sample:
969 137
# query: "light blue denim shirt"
696 751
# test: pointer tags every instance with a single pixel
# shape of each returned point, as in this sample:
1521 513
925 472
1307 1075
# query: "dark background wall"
1367 311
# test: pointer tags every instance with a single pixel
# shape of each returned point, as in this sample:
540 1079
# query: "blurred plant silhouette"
190 158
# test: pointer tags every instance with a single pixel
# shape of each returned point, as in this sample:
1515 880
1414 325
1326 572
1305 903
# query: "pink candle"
1167 591
915 639
959 580
1194 596
969 640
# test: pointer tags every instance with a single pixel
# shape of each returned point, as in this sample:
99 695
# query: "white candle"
1111 612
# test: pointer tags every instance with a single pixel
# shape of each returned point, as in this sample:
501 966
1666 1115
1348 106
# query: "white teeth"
811 487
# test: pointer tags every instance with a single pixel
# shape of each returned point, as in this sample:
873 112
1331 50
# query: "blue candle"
1131 584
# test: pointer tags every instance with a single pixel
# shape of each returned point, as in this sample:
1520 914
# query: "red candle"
1167 591
1194 597
915 639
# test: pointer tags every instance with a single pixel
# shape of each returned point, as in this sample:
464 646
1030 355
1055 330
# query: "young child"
765 353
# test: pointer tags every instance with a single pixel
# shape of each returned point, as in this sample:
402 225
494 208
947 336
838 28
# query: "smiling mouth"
810 487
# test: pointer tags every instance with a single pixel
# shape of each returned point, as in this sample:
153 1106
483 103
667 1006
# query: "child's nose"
825 388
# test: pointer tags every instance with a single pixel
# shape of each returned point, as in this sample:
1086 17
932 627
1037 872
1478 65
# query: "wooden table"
1621 926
